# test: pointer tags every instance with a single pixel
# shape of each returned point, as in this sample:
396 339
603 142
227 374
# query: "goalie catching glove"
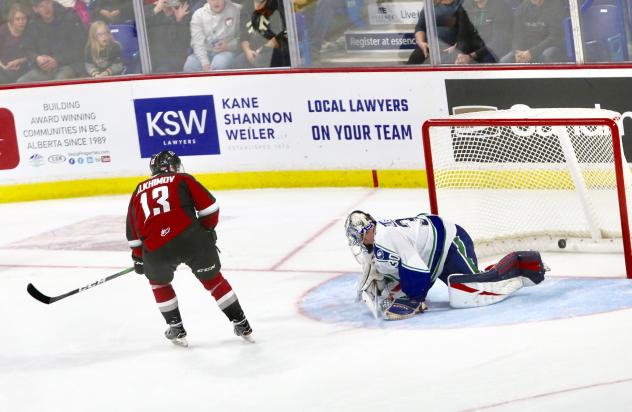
383 296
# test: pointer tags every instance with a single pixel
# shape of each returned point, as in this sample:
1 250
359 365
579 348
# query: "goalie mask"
356 225
165 162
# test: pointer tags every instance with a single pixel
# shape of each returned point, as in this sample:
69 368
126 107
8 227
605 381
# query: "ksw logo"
184 124
176 122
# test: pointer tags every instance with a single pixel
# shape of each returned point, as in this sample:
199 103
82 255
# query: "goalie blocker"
511 273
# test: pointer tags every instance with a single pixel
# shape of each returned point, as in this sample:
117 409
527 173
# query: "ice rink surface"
564 345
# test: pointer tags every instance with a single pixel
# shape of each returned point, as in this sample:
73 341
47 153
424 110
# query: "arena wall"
299 128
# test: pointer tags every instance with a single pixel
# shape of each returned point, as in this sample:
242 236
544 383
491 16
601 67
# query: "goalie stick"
32 290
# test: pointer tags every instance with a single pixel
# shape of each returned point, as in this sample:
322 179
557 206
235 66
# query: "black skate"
177 335
243 330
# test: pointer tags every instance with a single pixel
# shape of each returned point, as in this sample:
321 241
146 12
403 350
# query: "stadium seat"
126 35
603 32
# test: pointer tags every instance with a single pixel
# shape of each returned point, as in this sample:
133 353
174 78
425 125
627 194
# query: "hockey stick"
32 290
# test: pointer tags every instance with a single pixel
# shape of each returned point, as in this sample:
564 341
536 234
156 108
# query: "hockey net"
544 179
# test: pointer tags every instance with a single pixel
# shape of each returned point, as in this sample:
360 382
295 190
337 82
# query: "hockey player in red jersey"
171 219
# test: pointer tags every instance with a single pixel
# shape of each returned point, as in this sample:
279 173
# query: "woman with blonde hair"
13 45
102 53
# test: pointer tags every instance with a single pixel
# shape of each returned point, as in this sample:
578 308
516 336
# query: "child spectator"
102 53
113 11
214 34
57 38
263 35
169 34
13 53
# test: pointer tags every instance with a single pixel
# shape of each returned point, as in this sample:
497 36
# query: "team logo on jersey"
164 232
393 260
184 124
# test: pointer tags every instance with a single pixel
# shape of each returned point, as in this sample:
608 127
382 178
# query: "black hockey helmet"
166 161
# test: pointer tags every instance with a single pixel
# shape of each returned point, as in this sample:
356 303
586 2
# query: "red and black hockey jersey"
164 205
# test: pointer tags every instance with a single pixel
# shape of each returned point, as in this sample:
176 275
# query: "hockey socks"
221 291
168 304
229 304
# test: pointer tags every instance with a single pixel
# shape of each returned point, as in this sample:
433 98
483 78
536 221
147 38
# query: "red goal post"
534 178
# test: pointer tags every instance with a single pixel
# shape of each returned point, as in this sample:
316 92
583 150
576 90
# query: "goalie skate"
177 335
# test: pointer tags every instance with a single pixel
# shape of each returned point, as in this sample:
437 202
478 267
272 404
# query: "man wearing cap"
214 36
57 39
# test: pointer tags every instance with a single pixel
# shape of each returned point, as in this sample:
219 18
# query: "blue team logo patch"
184 124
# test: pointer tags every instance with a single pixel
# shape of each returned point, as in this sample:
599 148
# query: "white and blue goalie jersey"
413 251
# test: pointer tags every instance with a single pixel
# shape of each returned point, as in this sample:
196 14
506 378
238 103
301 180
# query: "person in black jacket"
263 35
448 16
487 31
169 35
58 40
538 33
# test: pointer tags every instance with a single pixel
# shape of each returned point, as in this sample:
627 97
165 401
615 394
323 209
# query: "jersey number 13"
160 196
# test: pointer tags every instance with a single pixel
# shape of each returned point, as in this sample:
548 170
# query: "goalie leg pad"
466 292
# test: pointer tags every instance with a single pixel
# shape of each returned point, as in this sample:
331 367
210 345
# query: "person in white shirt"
214 36
402 259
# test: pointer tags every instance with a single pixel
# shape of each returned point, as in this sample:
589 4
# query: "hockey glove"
138 264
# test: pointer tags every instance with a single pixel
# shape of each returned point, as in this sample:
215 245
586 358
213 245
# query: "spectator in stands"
80 7
5 7
448 14
58 39
214 36
486 30
168 31
263 35
538 33
113 11
322 19
13 47
102 53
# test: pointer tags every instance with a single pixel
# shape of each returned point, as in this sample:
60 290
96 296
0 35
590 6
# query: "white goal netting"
537 179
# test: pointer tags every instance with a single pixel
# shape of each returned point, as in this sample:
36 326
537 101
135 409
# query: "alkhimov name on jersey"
154 182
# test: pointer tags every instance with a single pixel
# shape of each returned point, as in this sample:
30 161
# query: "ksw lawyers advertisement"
265 122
